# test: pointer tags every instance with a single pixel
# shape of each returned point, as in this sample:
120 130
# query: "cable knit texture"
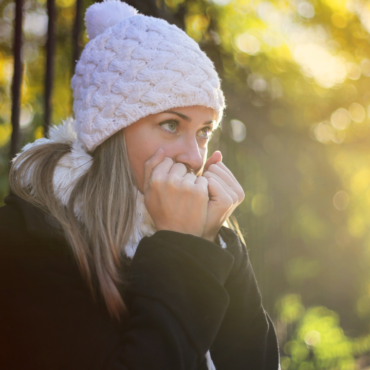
135 66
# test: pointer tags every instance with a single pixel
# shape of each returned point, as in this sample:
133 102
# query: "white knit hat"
133 66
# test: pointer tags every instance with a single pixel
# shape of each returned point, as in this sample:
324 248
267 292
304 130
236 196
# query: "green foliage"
318 342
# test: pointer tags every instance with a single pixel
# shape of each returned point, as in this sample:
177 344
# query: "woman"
113 254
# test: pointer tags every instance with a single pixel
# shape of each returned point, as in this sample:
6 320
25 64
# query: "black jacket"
186 295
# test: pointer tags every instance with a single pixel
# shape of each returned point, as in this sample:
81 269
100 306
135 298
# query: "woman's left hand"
225 194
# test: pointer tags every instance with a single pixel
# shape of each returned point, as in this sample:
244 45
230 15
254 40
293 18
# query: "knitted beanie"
134 66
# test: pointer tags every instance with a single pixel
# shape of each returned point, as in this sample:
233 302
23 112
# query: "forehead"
195 111
197 115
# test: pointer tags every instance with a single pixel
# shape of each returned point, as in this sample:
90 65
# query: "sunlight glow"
317 62
248 44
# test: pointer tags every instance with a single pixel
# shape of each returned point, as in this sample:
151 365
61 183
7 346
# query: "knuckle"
199 189
186 186
227 200
173 181
230 202
201 193
157 178
241 195
192 177
179 165
168 160
234 197
202 182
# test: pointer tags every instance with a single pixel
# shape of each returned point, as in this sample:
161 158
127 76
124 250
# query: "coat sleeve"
246 339
176 301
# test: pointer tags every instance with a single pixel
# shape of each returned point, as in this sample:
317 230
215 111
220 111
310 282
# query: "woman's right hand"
175 199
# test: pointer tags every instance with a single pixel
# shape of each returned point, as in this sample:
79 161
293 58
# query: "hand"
225 195
175 199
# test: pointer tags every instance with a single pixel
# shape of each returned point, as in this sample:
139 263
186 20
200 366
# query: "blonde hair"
106 194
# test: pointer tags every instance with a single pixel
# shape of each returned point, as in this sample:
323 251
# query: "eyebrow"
188 119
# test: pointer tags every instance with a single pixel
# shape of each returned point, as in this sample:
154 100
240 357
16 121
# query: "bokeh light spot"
340 119
353 71
36 23
365 67
324 132
238 130
312 338
248 44
5 132
257 83
26 116
65 3
317 62
341 200
360 181
306 9
260 204
338 20
357 112
221 2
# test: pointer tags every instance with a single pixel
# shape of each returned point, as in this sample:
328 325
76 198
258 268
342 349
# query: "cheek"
140 148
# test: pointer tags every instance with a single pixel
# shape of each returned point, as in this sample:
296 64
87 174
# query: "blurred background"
296 75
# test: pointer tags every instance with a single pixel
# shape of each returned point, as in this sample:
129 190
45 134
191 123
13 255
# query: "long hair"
106 196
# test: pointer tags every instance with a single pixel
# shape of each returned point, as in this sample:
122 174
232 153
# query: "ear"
213 159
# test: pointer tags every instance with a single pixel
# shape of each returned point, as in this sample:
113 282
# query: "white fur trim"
63 133
210 363
69 170
222 242
143 226
101 16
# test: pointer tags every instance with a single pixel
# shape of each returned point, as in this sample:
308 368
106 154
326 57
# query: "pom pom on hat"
101 16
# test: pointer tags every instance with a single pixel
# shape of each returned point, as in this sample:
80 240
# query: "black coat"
186 295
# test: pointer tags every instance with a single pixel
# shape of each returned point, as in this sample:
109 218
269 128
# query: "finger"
213 175
178 169
160 172
224 175
221 170
150 164
164 167
213 159
223 166
216 190
202 182
229 190
190 177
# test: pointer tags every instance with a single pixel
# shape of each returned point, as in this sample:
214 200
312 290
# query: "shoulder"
27 246
12 225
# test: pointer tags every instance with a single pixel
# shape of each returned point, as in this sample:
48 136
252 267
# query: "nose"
190 155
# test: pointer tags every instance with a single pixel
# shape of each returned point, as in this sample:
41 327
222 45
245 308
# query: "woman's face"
183 134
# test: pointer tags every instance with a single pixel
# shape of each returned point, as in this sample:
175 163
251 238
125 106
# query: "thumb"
213 159
150 164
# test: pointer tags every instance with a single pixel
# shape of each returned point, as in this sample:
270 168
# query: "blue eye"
206 132
170 126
